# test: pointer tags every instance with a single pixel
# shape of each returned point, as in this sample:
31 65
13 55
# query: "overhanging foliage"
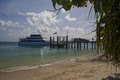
107 13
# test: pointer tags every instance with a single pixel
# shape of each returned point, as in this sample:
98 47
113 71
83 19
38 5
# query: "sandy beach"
66 70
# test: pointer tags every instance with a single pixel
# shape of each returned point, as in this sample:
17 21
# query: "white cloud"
69 28
63 11
8 23
73 29
45 18
24 32
74 32
67 17
21 13
43 21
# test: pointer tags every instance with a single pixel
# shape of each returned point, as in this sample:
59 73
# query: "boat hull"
33 43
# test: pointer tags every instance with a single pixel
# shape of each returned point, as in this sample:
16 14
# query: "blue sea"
14 57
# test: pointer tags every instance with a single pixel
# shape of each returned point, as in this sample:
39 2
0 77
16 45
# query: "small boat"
33 40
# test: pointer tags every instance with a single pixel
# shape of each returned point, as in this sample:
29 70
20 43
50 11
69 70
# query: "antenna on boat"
67 31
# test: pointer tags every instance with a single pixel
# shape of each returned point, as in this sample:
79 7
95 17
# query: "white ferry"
33 40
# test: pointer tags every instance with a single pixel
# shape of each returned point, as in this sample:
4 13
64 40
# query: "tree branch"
58 11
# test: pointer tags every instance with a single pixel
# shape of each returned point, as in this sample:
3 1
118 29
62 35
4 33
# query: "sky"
21 18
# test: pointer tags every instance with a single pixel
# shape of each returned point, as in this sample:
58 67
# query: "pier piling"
62 42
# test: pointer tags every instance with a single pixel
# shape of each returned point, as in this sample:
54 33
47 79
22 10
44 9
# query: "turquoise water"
11 55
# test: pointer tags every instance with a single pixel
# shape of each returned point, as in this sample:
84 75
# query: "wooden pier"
62 42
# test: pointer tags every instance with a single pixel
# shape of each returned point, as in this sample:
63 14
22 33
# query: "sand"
66 70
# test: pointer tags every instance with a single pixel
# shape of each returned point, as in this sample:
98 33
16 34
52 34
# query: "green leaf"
54 3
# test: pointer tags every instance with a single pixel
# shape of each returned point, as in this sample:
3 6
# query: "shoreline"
27 67
64 70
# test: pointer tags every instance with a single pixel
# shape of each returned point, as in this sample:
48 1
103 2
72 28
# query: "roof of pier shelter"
80 40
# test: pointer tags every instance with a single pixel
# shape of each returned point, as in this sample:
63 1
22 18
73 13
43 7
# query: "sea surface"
14 57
